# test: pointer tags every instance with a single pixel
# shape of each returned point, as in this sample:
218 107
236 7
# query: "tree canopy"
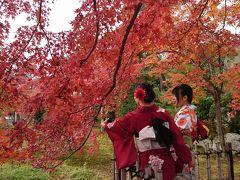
69 76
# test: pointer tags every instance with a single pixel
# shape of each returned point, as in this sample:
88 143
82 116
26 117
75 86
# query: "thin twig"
1 4
48 41
84 60
199 17
169 51
26 45
128 62
225 14
207 29
76 150
80 110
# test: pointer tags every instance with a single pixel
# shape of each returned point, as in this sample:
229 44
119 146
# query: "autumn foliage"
69 76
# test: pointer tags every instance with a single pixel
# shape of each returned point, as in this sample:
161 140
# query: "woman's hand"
103 124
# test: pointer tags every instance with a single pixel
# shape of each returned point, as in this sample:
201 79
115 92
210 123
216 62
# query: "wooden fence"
208 154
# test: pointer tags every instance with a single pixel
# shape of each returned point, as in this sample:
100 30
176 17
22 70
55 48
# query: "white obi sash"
147 140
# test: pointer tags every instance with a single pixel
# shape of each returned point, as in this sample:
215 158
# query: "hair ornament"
140 94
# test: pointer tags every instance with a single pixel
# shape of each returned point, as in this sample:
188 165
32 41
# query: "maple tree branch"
96 36
169 51
80 110
119 61
128 62
204 7
63 87
88 134
45 34
85 140
225 14
206 28
114 80
76 150
221 64
211 88
1 4
28 42
199 17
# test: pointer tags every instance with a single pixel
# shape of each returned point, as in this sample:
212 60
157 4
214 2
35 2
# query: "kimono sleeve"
182 151
123 142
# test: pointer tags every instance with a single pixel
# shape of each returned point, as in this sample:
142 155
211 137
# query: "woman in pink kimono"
186 121
186 118
154 130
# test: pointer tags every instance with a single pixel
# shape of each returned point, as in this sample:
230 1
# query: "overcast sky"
61 15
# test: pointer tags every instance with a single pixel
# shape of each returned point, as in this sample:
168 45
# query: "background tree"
201 53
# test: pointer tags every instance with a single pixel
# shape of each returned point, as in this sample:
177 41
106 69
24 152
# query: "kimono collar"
153 107
189 106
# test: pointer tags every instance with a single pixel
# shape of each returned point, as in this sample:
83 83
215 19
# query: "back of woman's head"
149 93
183 90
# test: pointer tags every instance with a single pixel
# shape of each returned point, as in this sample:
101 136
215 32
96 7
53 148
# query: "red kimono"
122 132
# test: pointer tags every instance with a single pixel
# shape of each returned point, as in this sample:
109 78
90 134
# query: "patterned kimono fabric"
186 120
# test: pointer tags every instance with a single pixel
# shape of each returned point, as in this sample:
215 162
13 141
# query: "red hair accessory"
140 94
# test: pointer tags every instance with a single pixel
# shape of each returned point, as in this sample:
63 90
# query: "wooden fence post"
147 171
123 174
138 161
218 160
230 161
196 155
129 174
207 152
159 175
117 174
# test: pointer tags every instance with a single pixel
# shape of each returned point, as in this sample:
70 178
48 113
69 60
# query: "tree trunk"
217 101
160 81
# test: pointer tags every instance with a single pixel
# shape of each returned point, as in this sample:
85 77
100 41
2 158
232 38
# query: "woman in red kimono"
155 131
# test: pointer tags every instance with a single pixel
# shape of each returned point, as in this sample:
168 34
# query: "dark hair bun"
150 94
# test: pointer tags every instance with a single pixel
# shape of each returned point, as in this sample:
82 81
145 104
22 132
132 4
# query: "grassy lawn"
224 167
10 171
95 167
100 163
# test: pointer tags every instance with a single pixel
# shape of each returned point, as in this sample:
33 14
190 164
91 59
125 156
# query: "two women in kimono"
155 132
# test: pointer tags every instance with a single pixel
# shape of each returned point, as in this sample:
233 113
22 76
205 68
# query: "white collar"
190 106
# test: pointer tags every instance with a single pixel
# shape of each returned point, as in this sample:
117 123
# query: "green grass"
224 167
10 171
99 163
74 173
95 167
